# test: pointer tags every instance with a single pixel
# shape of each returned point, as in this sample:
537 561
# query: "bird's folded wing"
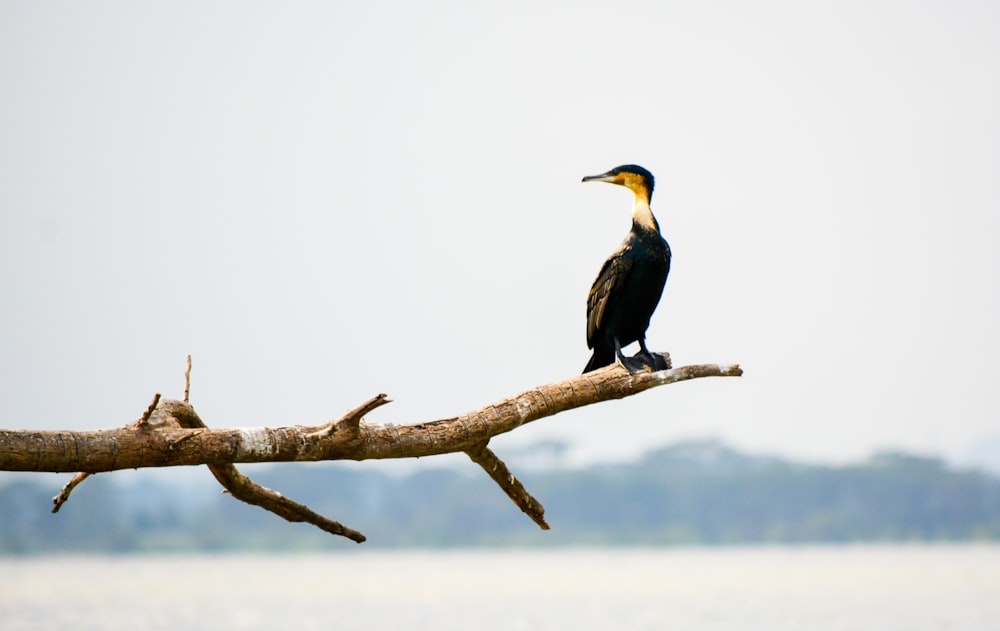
605 291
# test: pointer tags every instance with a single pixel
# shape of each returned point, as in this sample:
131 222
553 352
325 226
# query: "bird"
629 286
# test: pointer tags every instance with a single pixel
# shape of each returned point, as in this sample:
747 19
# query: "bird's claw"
661 361
633 364
645 361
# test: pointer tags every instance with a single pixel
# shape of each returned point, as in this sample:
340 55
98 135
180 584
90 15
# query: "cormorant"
628 287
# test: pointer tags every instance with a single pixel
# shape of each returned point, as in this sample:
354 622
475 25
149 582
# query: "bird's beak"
604 177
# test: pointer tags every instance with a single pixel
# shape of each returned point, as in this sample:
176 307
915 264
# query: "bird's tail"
601 358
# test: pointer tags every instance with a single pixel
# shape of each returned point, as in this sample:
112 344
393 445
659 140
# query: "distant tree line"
689 493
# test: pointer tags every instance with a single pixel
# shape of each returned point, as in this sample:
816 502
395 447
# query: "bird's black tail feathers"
602 357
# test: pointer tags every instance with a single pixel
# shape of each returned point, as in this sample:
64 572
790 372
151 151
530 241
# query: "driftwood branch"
170 433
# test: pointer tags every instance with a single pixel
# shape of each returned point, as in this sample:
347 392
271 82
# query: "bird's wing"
605 290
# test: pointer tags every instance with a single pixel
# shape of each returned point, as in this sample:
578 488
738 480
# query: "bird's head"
631 176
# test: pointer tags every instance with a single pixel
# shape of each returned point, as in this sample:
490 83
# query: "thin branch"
60 499
144 419
187 381
351 420
485 458
246 490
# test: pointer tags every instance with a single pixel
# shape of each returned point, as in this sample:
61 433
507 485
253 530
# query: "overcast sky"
324 201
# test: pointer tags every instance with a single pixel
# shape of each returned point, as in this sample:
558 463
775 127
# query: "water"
823 587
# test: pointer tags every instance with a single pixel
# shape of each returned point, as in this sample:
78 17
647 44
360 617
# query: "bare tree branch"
162 445
246 490
170 433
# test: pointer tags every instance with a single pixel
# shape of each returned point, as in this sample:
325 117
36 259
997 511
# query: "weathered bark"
170 433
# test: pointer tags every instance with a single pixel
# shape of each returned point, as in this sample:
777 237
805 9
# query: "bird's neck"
642 216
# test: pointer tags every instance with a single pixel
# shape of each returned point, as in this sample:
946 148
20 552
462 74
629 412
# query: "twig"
485 458
352 419
144 419
187 381
176 443
60 499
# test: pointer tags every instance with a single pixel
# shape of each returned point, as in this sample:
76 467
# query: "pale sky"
324 201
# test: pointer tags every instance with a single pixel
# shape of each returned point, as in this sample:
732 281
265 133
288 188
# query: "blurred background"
323 201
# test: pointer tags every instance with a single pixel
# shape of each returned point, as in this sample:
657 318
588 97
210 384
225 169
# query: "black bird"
630 284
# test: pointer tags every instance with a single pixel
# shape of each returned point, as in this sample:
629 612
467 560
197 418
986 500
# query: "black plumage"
629 285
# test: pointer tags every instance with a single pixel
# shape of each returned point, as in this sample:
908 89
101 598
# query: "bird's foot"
661 361
642 360
634 364
653 361
631 364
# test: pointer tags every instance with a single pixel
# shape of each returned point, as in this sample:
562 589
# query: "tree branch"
351 421
246 490
485 458
162 445
60 499
170 433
